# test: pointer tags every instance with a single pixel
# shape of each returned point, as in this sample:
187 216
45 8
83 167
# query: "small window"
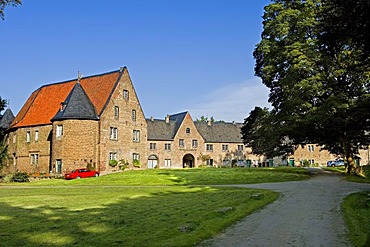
181 143
112 156
59 130
167 146
209 147
133 115
113 133
36 135
135 156
14 138
153 146
34 159
136 136
194 143
28 136
116 112
311 148
125 94
225 148
167 163
240 147
187 130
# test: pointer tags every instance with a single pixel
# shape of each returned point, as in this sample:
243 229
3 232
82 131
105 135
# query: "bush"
113 163
19 177
137 163
123 164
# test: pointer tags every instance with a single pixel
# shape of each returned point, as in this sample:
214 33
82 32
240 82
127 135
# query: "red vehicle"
81 173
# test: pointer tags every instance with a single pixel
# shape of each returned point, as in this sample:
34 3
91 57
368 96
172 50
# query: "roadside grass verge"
352 177
356 209
122 216
176 177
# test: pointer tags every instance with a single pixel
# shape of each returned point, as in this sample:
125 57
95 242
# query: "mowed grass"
133 208
356 208
176 177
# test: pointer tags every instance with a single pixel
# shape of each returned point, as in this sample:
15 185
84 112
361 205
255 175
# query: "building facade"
98 121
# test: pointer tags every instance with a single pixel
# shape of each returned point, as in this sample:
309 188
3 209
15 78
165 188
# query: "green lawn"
176 177
356 208
133 208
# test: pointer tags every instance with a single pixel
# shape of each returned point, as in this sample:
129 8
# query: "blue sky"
193 55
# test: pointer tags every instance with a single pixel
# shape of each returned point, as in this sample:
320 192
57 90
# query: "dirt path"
308 213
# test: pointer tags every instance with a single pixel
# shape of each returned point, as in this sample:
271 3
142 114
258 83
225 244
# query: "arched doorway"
152 161
188 161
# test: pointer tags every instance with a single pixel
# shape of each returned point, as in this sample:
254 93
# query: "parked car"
333 163
81 173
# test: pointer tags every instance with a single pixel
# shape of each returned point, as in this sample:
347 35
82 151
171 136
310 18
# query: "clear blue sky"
193 55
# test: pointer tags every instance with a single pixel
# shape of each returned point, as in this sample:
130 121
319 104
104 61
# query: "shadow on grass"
155 217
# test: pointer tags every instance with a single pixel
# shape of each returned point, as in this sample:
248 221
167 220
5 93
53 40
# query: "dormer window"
187 130
62 106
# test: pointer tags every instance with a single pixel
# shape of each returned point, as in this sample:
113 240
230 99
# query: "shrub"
113 163
20 177
123 164
137 163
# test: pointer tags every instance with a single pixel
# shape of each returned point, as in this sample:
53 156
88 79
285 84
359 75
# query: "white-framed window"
312 162
311 148
152 146
112 156
34 159
167 163
58 166
240 147
113 133
136 156
181 143
136 136
59 130
125 94
167 146
194 143
36 135
28 136
116 112
225 147
133 115
209 147
209 162
187 131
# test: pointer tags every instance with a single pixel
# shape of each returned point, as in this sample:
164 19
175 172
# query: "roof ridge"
83 77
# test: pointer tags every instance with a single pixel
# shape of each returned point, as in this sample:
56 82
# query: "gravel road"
308 213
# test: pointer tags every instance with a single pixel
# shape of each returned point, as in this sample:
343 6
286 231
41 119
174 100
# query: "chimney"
209 122
152 118
234 122
167 118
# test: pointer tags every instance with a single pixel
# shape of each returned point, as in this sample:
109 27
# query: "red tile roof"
44 103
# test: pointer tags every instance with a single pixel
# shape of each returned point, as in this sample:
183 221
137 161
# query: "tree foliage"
204 119
319 86
4 3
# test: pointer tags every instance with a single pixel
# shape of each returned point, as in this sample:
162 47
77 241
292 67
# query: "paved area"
308 213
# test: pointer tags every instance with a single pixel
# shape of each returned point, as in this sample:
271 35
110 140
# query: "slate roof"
220 132
6 119
77 106
44 103
216 132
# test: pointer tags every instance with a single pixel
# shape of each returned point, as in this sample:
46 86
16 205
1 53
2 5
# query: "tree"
3 147
204 119
4 3
344 20
264 135
319 90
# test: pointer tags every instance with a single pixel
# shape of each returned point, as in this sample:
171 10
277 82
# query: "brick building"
95 120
